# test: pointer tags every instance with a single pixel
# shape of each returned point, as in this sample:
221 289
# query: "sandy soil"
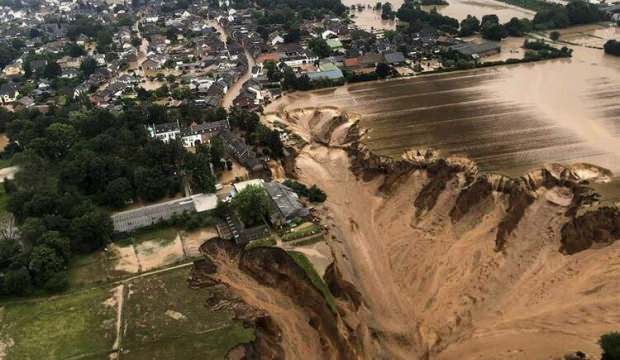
153 255
437 289
127 259
193 240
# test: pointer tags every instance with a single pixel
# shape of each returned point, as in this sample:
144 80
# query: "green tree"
251 205
319 47
52 70
554 35
74 50
59 139
118 192
316 195
18 282
469 26
44 263
88 66
91 231
610 344
383 70
200 176
59 243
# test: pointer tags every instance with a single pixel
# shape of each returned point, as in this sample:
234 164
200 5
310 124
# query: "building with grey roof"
134 219
284 204
477 50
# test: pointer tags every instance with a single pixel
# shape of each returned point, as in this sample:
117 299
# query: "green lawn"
316 280
88 269
167 320
302 233
77 324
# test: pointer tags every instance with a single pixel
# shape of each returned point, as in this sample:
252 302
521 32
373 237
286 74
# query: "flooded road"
369 19
509 119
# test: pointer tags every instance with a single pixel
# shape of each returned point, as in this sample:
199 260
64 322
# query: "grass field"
162 318
316 280
88 269
59 327
165 319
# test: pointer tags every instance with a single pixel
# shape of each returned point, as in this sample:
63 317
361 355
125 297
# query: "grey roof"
133 219
334 74
285 200
208 127
470 49
394 57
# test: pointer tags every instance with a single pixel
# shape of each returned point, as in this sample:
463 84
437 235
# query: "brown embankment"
448 263
291 317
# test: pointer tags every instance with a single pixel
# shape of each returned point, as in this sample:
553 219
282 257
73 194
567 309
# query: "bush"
612 47
555 35
57 283
265 242
610 344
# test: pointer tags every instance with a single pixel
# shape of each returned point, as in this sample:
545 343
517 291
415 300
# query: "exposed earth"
435 260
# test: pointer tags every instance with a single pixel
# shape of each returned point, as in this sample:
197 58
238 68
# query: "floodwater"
368 19
509 119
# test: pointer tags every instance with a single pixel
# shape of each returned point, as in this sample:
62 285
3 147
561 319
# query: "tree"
216 152
316 195
610 344
383 70
44 263
118 192
91 231
103 39
88 66
612 47
469 26
18 281
492 30
319 47
387 13
251 205
554 35
74 50
518 27
201 178
59 243
52 70
59 139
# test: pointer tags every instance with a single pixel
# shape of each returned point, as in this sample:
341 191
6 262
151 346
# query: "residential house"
284 204
9 93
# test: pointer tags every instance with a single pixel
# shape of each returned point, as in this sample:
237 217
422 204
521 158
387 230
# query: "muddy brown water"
459 9
509 119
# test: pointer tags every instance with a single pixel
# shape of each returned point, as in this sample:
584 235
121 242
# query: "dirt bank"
448 263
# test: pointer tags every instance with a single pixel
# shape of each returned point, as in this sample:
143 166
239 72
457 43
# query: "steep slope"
451 264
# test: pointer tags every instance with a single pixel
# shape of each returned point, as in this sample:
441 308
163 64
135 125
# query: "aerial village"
132 132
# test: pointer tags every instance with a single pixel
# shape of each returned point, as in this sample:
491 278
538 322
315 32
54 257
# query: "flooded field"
509 119
459 9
